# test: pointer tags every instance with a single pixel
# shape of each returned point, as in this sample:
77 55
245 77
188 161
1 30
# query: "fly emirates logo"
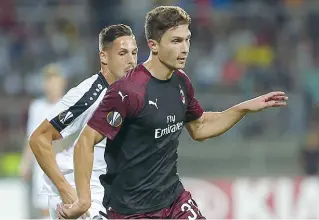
172 127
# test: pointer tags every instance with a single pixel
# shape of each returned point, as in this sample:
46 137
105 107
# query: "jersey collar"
103 80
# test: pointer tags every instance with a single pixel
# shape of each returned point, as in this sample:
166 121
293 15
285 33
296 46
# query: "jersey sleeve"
194 109
119 103
70 114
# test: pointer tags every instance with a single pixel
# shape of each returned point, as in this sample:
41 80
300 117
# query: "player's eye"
175 41
122 53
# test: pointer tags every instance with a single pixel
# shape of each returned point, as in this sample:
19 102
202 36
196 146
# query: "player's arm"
41 145
83 164
212 124
203 125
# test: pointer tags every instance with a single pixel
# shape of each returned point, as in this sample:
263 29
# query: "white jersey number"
187 207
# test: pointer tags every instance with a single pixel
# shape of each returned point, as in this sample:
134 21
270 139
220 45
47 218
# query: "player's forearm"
217 123
43 151
83 165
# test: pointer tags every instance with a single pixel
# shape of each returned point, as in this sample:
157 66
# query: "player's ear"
153 45
103 57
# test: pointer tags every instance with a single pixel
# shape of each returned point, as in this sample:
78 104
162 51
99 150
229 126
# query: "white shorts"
96 206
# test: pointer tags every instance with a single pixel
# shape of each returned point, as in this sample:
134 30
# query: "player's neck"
157 68
110 78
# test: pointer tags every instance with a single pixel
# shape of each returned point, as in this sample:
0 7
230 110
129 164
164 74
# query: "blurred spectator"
7 13
232 72
310 85
53 87
310 153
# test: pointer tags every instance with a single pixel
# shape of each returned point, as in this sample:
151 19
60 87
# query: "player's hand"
272 99
72 211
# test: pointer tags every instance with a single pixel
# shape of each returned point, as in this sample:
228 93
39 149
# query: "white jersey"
69 117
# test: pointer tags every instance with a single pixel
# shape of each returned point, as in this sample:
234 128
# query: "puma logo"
122 96
150 102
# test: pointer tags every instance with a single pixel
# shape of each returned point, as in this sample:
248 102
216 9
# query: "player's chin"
122 73
180 65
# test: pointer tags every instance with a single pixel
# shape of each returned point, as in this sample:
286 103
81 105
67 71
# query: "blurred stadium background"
266 167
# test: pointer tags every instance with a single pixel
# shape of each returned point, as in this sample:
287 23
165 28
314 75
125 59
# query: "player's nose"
132 59
185 47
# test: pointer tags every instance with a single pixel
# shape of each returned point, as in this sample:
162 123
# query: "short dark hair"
112 32
162 18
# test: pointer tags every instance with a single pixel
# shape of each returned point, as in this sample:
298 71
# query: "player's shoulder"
138 76
134 81
181 73
95 80
183 78
95 83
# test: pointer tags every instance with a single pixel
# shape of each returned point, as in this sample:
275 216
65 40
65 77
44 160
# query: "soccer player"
142 116
118 54
54 87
